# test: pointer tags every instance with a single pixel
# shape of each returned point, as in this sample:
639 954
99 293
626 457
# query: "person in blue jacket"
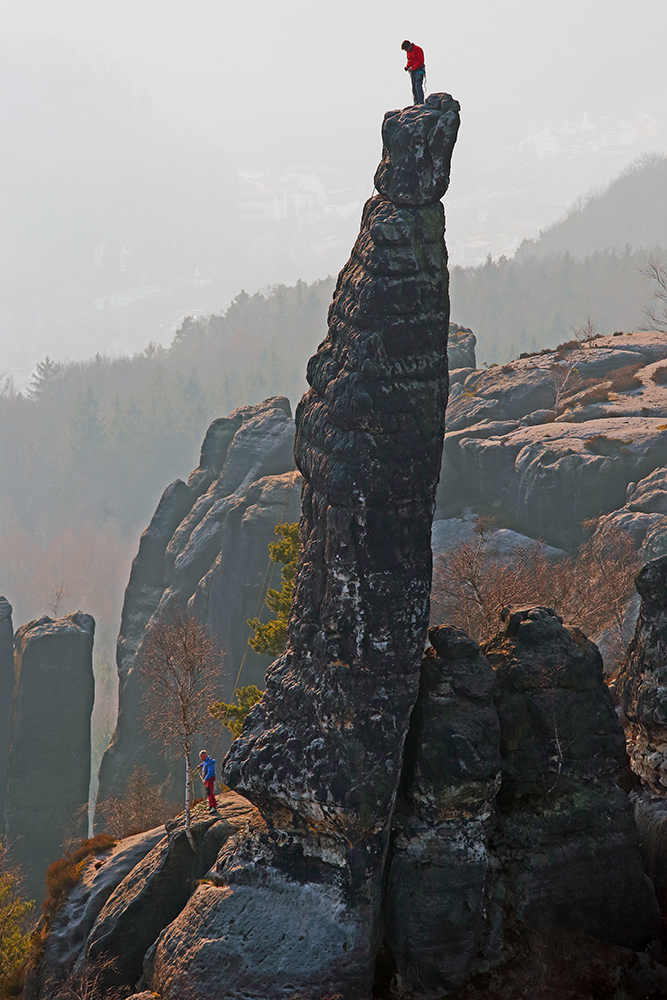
208 777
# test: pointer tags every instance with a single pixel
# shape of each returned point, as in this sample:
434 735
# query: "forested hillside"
588 264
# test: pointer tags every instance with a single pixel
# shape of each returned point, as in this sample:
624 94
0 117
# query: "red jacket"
415 58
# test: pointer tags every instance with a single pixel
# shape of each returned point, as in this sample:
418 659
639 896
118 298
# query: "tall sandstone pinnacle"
321 754
48 771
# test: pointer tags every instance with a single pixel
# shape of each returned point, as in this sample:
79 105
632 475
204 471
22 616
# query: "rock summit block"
417 145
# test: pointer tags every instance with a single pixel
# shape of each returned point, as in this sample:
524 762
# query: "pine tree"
270 637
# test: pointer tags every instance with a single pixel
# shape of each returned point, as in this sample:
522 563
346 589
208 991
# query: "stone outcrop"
548 463
206 547
461 352
48 773
321 755
435 906
565 841
642 684
6 694
642 691
125 898
72 924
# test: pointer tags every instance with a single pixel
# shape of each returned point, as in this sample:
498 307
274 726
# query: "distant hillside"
631 212
587 265
526 304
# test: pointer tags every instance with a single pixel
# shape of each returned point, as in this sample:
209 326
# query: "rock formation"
125 898
642 684
437 886
321 755
48 773
510 845
565 842
6 694
557 437
642 690
206 547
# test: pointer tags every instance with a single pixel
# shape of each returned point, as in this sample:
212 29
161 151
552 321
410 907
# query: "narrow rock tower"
48 772
321 754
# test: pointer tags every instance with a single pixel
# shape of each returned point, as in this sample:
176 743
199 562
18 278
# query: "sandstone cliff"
48 771
554 438
206 547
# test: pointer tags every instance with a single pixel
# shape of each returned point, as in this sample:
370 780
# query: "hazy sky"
268 82
295 72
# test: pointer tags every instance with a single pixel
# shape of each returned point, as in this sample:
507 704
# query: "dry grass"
65 873
659 375
624 379
599 444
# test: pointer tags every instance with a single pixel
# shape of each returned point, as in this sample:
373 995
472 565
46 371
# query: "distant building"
261 203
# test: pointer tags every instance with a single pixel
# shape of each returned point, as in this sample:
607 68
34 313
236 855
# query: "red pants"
209 786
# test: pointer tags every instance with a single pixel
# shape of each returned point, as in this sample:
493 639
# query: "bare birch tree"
181 668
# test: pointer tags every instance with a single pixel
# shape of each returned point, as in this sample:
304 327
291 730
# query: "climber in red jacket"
416 68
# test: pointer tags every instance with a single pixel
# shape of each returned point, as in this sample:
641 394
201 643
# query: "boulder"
48 772
6 694
321 754
417 146
565 843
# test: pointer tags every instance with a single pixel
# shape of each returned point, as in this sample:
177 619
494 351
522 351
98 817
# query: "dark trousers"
417 85
209 786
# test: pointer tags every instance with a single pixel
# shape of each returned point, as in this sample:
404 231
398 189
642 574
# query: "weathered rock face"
417 146
509 840
321 755
461 351
6 693
48 772
642 684
435 906
549 463
565 840
206 547
72 924
125 898
642 691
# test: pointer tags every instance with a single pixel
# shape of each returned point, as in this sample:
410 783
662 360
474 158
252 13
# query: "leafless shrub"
473 584
655 311
143 806
180 666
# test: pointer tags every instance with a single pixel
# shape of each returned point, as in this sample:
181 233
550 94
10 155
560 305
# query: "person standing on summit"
416 68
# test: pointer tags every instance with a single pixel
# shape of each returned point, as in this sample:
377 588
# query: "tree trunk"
188 834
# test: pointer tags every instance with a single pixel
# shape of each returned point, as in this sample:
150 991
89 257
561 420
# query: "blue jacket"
208 769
